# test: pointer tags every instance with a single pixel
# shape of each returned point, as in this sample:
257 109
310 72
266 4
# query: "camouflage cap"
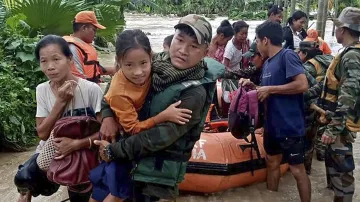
252 50
350 18
200 25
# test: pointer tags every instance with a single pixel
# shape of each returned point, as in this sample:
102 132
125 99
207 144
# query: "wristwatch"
108 153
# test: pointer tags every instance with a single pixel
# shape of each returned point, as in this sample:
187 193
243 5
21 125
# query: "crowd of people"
154 109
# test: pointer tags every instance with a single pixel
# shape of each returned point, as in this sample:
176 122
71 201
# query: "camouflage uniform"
339 159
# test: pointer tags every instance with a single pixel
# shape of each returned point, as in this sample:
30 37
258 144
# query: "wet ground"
158 28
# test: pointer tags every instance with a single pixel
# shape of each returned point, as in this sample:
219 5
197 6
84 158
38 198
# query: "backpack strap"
253 107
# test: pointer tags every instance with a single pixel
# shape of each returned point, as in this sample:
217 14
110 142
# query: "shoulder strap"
253 107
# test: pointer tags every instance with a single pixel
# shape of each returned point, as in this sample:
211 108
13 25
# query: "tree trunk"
285 13
336 8
325 17
320 15
292 8
307 11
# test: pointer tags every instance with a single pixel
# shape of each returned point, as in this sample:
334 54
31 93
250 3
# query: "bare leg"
92 200
303 182
111 198
25 197
273 171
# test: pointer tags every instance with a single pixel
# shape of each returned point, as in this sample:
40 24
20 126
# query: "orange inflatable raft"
220 162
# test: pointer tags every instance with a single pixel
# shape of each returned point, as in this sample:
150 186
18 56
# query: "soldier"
315 64
340 96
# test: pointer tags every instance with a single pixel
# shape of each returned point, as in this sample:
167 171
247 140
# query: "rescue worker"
340 97
315 64
313 35
86 64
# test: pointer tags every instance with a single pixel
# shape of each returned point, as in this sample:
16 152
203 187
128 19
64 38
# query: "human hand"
328 139
102 144
64 146
176 115
263 92
247 83
66 92
109 129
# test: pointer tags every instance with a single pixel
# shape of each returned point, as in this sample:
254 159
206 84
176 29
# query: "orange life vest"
91 67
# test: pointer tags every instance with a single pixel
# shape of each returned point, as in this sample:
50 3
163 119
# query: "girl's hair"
132 39
297 15
239 25
52 39
226 29
274 9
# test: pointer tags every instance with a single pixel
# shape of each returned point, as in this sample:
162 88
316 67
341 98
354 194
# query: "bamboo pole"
325 17
320 15
293 5
285 13
307 11
336 7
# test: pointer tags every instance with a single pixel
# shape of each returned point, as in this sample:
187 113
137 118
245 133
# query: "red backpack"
243 113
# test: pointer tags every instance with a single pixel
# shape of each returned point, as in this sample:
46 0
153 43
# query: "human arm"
228 54
78 61
45 120
347 95
165 134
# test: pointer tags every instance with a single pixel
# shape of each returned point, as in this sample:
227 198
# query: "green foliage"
235 15
19 76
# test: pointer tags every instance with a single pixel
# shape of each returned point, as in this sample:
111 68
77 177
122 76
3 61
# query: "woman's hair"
274 9
132 39
311 53
225 28
297 15
52 39
239 25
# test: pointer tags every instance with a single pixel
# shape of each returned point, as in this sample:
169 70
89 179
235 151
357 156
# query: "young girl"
223 34
236 47
126 96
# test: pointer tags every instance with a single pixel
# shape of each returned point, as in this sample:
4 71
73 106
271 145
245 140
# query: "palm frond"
111 17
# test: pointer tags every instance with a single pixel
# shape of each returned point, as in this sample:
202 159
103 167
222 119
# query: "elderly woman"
54 100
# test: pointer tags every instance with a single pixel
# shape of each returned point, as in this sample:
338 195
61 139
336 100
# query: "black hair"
132 39
274 9
297 15
311 53
270 30
226 29
188 31
50 40
77 26
353 33
168 40
239 25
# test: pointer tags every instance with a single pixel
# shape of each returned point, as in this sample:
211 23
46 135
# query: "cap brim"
99 26
197 34
309 39
248 54
337 23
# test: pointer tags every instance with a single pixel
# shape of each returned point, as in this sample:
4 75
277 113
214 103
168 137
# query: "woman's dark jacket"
289 39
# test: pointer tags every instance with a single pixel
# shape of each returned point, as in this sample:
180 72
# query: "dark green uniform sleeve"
349 73
105 107
241 73
165 134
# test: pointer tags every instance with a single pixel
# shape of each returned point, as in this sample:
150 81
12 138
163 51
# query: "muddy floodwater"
157 29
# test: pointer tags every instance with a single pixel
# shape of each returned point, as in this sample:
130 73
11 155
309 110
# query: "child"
126 96
167 42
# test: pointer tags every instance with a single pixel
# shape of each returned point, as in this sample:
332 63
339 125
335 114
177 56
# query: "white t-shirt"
45 99
234 55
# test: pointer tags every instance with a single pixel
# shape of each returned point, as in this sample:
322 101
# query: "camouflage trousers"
313 142
339 163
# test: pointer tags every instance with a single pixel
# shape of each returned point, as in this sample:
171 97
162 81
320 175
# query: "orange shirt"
126 99
324 47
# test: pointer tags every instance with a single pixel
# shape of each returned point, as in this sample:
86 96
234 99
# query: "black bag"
30 177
